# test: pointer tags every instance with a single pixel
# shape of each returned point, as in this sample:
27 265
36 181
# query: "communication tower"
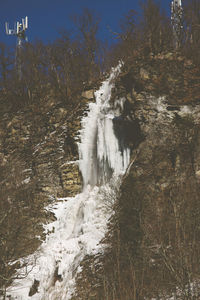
177 21
20 32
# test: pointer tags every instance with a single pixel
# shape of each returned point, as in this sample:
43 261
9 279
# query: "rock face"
154 235
159 198
45 141
89 95
38 164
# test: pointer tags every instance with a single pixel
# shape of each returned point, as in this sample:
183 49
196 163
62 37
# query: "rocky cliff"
38 164
152 247
44 140
154 238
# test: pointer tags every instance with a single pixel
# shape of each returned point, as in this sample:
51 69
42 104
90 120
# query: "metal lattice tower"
20 32
177 22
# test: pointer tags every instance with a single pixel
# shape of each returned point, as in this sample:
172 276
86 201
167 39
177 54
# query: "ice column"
99 151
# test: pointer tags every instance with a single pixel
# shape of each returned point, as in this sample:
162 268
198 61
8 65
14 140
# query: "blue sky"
47 17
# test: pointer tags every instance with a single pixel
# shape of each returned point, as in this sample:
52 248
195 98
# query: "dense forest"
62 70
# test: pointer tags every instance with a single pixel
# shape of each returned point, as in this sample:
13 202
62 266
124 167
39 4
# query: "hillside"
157 213
100 163
38 155
153 242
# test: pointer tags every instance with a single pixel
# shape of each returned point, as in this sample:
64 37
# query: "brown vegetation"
152 247
154 237
19 206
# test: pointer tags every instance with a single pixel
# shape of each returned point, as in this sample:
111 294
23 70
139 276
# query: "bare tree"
192 29
155 27
5 62
88 25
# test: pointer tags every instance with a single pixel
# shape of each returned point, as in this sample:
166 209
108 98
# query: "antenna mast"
20 32
177 22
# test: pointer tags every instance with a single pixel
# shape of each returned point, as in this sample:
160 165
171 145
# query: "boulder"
89 94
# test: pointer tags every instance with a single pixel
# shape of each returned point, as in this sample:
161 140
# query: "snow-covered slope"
81 221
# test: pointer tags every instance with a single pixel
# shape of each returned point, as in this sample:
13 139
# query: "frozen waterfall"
99 150
81 221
